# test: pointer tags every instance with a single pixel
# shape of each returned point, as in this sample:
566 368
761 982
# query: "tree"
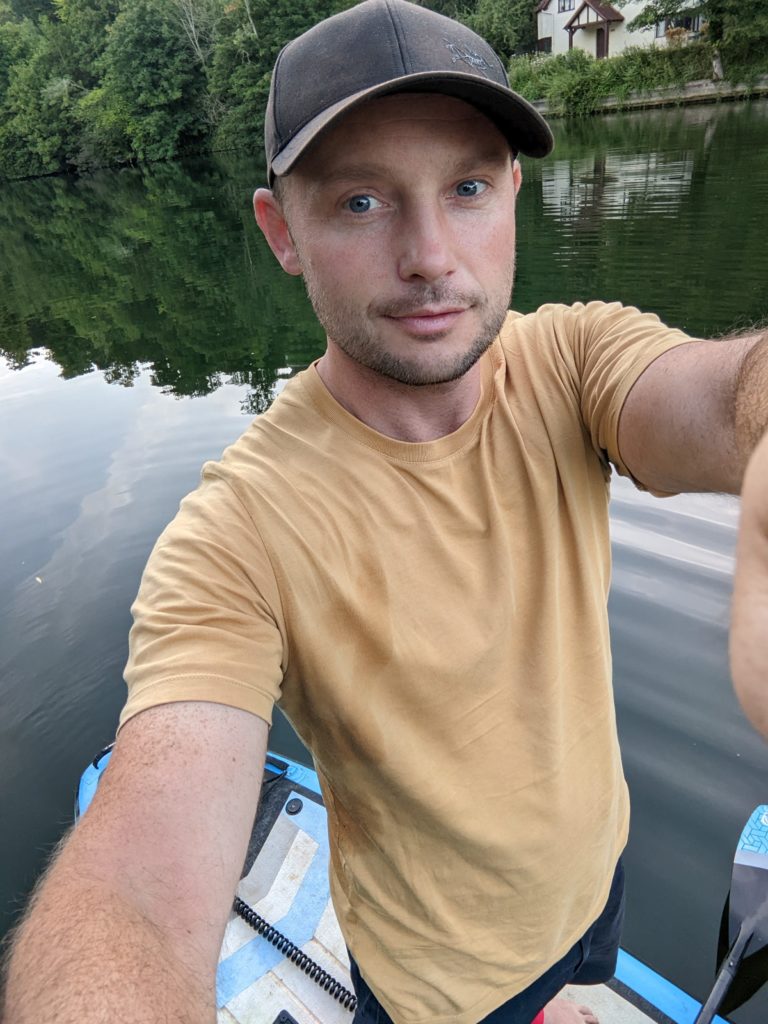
243 60
31 8
734 25
37 108
199 20
82 33
151 90
508 25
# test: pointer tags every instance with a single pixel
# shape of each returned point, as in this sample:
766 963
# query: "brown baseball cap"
380 47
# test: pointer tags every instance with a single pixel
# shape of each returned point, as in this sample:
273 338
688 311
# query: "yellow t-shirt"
432 619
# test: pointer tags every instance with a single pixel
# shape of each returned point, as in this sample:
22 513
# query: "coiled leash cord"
292 952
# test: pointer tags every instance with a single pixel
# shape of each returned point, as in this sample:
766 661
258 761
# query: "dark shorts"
590 961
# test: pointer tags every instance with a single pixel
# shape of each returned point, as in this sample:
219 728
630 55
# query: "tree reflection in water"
159 268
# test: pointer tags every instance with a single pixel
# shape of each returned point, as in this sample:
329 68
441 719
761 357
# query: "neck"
400 411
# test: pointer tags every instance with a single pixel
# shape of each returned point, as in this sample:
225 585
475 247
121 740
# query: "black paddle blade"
747 904
751 975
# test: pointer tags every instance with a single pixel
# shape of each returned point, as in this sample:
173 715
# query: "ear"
271 220
517 175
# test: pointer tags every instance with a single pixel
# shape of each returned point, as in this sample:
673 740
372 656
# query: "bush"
571 83
574 83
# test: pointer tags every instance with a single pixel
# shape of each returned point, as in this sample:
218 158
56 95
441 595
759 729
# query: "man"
410 551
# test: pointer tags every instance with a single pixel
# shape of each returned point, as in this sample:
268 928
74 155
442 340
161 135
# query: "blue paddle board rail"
89 781
299 773
650 986
91 777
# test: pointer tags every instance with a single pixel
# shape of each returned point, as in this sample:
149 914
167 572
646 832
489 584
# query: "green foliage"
38 121
32 9
239 78
574 83
87 83
97 83
17 42
738 24
661 10
450 8
508 25
82 32
244 58
105 123
555 79
152 89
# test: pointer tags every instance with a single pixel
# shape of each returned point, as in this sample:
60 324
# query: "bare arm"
749 621
696 420
129 919
693 418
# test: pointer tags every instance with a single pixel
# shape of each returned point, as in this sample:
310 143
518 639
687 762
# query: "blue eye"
470 187
362 204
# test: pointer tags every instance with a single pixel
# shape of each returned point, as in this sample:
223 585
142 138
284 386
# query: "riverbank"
703 91
573 84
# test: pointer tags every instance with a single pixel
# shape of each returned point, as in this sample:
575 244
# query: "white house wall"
551 23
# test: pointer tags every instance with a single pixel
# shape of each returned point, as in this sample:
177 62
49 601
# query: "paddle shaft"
725 977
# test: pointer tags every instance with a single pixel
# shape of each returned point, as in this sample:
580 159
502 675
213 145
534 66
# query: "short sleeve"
207 618
607 346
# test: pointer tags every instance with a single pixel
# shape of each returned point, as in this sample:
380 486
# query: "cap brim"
524 127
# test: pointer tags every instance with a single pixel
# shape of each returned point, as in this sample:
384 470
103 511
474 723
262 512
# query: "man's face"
401 221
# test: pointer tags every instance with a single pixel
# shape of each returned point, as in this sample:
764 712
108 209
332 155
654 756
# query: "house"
600 28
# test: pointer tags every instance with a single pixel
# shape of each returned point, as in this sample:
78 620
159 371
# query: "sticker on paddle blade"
749 882
754 837
747 907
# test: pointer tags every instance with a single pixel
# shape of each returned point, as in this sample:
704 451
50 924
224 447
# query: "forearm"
751 400
749 625
85 953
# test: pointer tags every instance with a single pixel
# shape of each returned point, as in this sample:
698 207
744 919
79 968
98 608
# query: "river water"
143 321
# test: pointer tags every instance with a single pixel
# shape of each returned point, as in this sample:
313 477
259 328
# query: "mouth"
429 320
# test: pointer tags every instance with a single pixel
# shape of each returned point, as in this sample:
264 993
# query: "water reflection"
163 268
615 185
657 211
160 268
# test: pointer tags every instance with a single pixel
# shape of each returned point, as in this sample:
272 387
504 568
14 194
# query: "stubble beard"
355 335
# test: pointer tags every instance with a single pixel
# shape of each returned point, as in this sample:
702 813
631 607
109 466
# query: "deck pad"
286 882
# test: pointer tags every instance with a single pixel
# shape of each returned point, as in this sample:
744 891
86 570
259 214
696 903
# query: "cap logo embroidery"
463 53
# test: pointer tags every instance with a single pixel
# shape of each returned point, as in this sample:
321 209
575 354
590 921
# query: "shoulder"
588 337
579 319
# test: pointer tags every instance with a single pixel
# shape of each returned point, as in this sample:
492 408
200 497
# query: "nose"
426 245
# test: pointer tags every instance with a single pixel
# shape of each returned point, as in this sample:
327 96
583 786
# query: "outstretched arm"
697 420
694 417
128 921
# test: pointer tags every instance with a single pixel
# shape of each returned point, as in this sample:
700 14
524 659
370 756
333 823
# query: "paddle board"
283 959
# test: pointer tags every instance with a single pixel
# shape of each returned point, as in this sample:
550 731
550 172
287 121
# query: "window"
691 23
565 5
